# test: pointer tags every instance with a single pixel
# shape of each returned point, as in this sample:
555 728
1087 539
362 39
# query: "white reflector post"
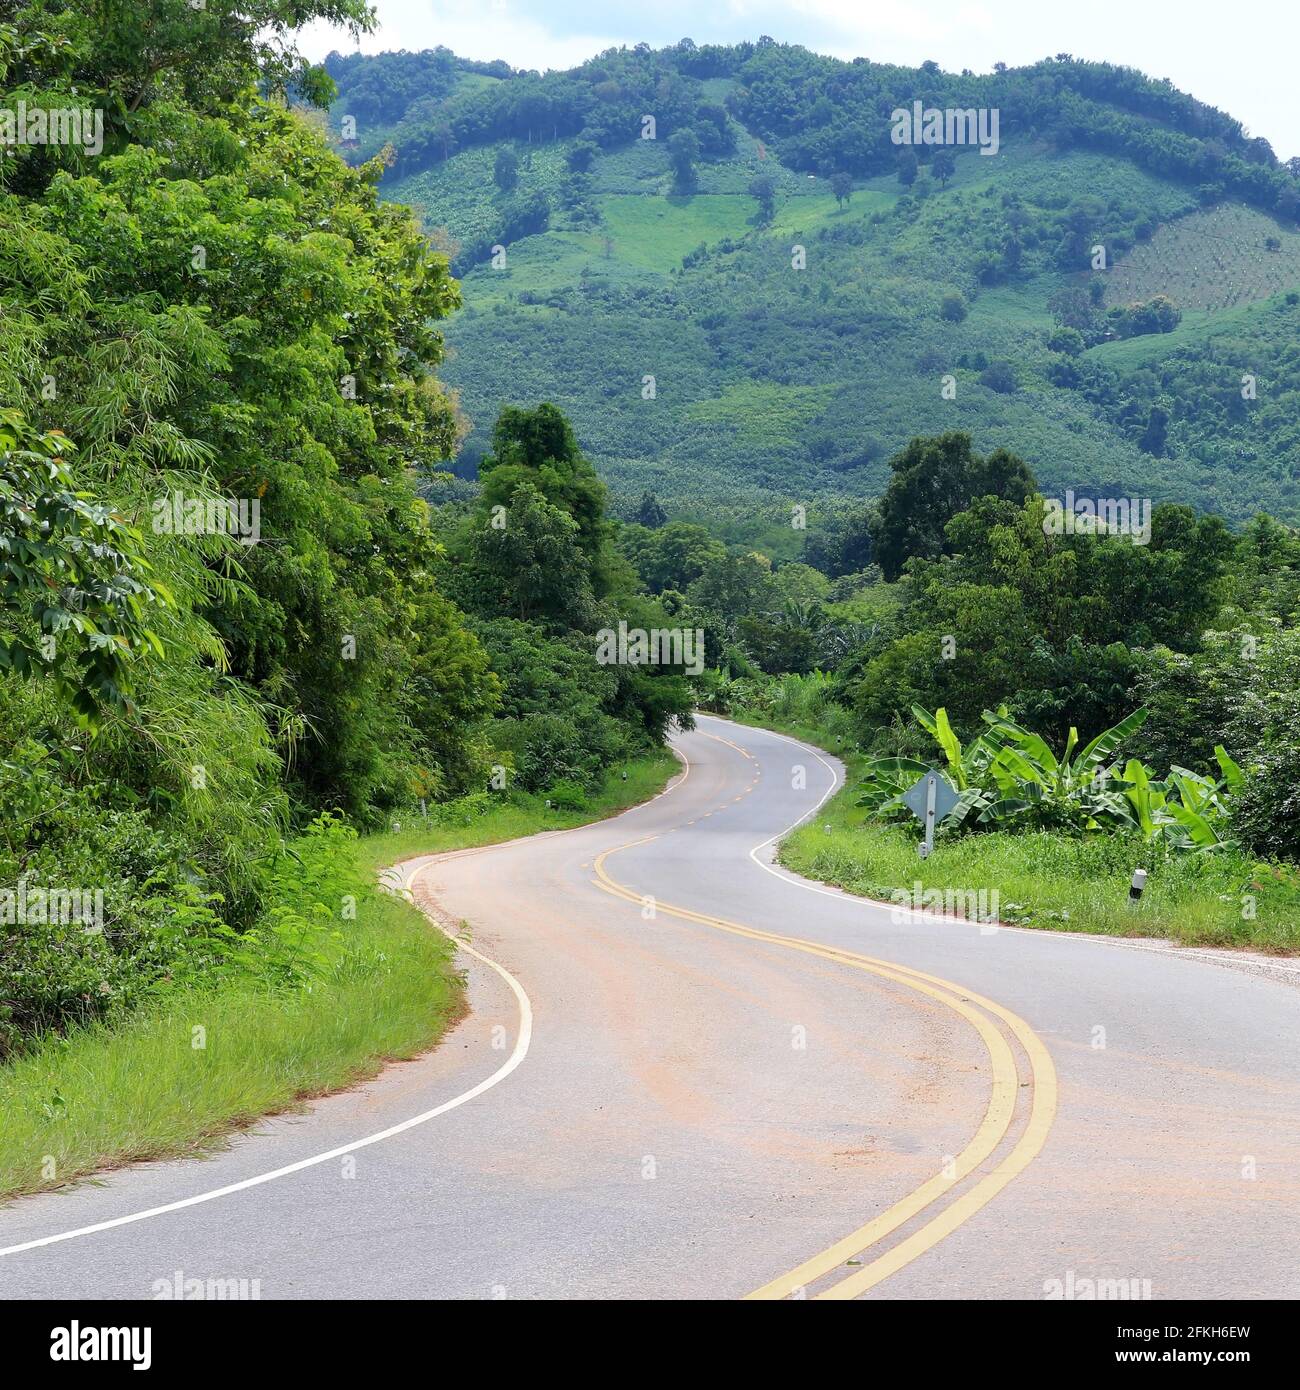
1138 883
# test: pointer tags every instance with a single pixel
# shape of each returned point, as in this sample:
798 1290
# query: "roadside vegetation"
1043 878
1099 703
346 979
1059 882
192 1065
235 640
472 821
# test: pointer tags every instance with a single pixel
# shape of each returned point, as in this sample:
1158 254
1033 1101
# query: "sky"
1238 58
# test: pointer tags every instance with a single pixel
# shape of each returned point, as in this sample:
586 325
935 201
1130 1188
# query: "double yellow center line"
976 1010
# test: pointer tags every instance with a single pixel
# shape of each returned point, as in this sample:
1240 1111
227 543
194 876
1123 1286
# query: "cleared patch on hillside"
460 194
654 233
1213 260
763 413
547 270
801 216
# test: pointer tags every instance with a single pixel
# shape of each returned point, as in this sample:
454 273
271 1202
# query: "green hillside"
774 384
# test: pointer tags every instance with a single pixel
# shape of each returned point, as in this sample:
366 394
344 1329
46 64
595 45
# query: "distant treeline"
820 114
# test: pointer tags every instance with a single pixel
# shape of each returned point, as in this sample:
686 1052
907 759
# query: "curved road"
687 1074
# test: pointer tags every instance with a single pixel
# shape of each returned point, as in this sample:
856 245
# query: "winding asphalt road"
687 1074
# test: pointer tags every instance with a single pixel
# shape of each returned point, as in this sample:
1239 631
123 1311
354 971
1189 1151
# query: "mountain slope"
627 259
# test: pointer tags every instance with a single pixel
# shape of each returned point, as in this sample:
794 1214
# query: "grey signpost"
930 800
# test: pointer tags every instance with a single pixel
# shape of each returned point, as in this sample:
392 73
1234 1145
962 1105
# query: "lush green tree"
838 539
525 559
555 721
581 156
778 646
965 649
798 583
505 171
1051 625
672 557
1080 684
1000 377
1238 691
734 585
1167 587
538 448
1066 340
649 512
1157 315
226 312
683 153
762 188
1266 570
931 481
953 306
75 584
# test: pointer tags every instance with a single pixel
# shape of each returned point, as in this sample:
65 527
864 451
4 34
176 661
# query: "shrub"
953 308
567 796
1000 377
1009 778
551 748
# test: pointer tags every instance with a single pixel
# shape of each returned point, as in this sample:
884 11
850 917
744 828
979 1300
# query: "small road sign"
930 800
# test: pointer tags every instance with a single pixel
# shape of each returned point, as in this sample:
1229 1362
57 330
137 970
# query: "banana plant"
1038 786
885 782
1008 776
1147 798
1200 810
966 766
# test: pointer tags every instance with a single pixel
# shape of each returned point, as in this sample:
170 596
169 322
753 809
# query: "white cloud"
482 30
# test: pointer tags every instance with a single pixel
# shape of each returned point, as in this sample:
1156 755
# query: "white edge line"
522 1043
516 1057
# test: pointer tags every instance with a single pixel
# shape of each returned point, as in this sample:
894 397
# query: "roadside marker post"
1135 887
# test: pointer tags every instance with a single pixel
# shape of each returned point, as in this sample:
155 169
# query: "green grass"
110 1095
522 815
804 214
1049 881
542 265
1020 308
654 233
141 1089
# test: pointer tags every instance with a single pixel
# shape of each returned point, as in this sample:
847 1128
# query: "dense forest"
952 593
819 113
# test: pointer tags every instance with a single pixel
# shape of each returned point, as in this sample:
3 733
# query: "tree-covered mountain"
763 302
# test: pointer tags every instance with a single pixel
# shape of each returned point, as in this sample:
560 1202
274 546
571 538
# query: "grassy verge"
194 1065
154 1086
1052 881
522 815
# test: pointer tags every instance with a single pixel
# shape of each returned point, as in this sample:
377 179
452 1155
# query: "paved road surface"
686 1074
